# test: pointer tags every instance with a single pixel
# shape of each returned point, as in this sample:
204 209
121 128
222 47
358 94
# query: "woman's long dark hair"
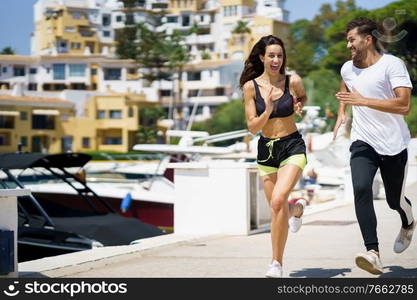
254 67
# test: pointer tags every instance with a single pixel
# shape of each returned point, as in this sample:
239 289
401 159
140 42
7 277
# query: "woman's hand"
269 105
298 106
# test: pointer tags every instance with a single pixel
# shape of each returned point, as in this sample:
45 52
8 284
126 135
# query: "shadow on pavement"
32 275
398 272
319 272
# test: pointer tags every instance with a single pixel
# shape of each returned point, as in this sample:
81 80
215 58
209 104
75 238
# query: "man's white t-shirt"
386 132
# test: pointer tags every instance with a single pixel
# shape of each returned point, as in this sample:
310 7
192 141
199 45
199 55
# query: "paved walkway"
324 247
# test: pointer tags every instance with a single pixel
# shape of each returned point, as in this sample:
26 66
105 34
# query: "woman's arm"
299 93
255 123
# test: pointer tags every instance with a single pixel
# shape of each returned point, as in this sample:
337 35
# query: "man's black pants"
364 162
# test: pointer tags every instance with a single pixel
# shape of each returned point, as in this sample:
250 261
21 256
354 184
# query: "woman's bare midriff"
279 127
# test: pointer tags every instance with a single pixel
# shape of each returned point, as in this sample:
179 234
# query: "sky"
16 18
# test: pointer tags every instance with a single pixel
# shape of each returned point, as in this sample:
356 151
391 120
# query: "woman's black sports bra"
283 106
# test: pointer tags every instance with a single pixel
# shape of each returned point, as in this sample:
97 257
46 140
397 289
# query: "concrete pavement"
324 247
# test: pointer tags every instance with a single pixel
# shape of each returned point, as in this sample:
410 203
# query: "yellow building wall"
79 128
67 20
97 130
264 26
177 6
249 3
24 128
49 30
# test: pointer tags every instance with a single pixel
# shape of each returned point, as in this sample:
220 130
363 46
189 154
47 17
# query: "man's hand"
340 120
352 98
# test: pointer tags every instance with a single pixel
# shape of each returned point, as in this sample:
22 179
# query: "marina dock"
324 247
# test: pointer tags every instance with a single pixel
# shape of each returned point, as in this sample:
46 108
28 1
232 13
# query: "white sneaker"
403 239
275 270
296 222
370 262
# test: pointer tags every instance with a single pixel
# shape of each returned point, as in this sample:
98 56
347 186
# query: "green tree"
307 41
8 51
161 55
404 15
126 37
148 118
322 93
227 117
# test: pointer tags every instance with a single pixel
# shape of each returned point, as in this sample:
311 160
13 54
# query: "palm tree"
8 51
241 30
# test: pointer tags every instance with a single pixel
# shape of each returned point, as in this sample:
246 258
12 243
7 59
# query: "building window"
76 15
106 33
43 122
115 114
33 86
193 76
106 20
75 45
130 19
130 112
33 70
101 114
113 74
62 47
86 142
165 93
119 19
19 71
23 116
220 91
24 141
77 70
185 20
193 93
94 71
7 122
131 71
4 69
59 71
4 139
69 29
172 19
112 141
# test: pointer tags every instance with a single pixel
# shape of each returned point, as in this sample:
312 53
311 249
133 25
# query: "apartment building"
69 72
90 26
51 125
35 123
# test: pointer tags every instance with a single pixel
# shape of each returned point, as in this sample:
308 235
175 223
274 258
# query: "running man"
378 87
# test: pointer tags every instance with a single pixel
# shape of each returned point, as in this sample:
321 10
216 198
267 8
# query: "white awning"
8 113
48 112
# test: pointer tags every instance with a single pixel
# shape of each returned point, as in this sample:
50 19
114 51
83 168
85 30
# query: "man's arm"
401 104
341 112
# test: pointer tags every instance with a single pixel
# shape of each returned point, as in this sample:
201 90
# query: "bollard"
8 231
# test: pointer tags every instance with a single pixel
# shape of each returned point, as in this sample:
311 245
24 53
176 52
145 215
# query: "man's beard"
359 58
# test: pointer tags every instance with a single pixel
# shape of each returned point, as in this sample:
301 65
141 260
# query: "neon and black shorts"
276 153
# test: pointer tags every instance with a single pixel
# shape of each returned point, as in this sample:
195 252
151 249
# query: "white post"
8 217
217 197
